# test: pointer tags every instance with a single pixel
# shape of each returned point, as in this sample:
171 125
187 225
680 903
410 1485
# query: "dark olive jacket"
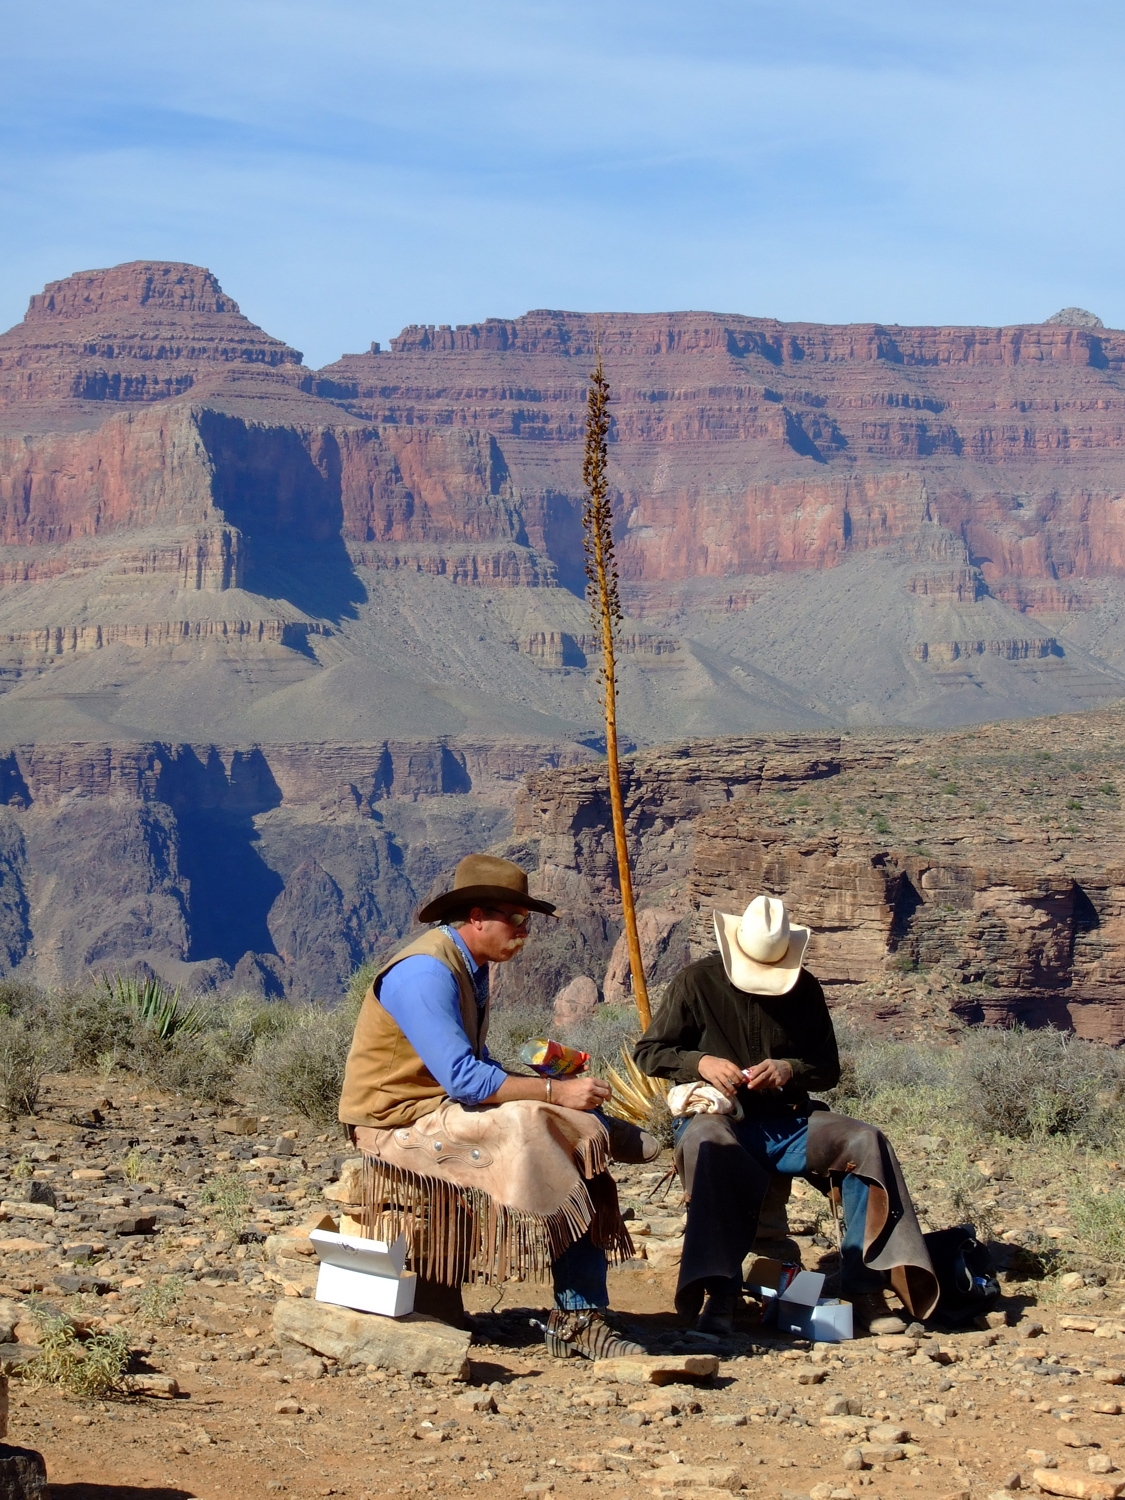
704 1014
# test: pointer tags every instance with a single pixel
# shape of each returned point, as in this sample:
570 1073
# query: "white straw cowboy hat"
762 951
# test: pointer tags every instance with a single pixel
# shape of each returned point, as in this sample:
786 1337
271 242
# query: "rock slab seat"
415 1345
23 1474
657 1369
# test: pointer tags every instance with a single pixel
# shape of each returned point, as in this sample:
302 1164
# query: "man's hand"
579 1093
726 1076
774 1073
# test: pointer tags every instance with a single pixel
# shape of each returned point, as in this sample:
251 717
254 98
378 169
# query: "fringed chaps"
491 1194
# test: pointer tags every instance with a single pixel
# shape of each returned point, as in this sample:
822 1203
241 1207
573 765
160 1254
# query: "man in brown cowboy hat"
490 1174
751 1022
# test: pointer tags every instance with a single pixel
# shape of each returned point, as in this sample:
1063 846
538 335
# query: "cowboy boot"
871 1312
585 1333
723 1301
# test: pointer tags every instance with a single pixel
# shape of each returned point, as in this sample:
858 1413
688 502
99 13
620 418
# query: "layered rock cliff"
279 869
963 877
209 551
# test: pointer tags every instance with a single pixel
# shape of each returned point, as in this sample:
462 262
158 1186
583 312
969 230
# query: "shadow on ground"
118 1492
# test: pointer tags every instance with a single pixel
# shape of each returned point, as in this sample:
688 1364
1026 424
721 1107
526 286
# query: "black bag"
967 1285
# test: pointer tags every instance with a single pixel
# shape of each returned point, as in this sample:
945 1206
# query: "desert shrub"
19 997
88 1027
301 1068
199 1064
23 1062
1099 1222
611 1030
513 1025
95 1368
871 1065
1031 1084
247 1020
161 1300
901 1087
228 1197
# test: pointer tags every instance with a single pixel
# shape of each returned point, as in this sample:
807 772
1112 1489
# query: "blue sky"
349 166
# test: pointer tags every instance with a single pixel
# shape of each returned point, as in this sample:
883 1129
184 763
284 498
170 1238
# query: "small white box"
802 1311
366 1275
829 1322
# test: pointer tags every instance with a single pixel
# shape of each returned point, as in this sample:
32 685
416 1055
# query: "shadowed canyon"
276 645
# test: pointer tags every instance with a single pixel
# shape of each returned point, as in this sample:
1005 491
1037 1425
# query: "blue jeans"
579 1273
779 1144
579 1276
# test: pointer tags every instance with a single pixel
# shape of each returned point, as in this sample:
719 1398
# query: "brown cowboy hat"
482 880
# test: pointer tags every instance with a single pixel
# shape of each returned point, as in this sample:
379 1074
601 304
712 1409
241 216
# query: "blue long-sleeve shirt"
421 994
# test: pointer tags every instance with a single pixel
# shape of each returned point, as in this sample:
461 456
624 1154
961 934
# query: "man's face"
499 932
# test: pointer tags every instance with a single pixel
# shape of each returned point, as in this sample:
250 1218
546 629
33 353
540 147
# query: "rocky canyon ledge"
277 644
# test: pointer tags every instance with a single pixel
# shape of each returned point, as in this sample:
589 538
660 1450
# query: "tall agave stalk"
601 572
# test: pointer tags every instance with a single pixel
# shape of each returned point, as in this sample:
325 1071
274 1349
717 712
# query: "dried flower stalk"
601 573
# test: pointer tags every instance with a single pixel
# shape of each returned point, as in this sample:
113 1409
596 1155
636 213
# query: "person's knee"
714 1129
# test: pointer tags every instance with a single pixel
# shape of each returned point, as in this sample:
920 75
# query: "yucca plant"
155 1006
640 1099
605 602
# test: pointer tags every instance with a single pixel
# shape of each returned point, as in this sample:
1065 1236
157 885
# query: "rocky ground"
183 1225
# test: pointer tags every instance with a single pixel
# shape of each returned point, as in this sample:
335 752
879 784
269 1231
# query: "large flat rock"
414 1345
657 1369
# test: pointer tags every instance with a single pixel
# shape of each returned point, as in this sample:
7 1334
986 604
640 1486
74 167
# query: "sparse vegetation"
138 1166
301 1067
95 1368
161 1300
228 1196
1099 1222
22 1066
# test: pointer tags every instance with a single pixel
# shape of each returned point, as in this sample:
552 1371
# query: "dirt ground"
935 1414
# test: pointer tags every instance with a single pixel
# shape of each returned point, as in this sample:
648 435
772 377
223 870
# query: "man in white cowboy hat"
751 1022
489 1174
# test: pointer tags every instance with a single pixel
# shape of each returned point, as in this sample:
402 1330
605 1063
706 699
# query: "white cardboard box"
366 1275
802 1311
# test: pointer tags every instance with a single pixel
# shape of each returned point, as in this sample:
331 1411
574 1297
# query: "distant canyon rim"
277 645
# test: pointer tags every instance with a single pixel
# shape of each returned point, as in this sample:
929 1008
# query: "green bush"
87 1027
160 1301
95 1368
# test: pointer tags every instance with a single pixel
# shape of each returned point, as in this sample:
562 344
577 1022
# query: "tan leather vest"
386 1083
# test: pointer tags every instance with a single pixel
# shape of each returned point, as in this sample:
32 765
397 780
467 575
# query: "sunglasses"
513 918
